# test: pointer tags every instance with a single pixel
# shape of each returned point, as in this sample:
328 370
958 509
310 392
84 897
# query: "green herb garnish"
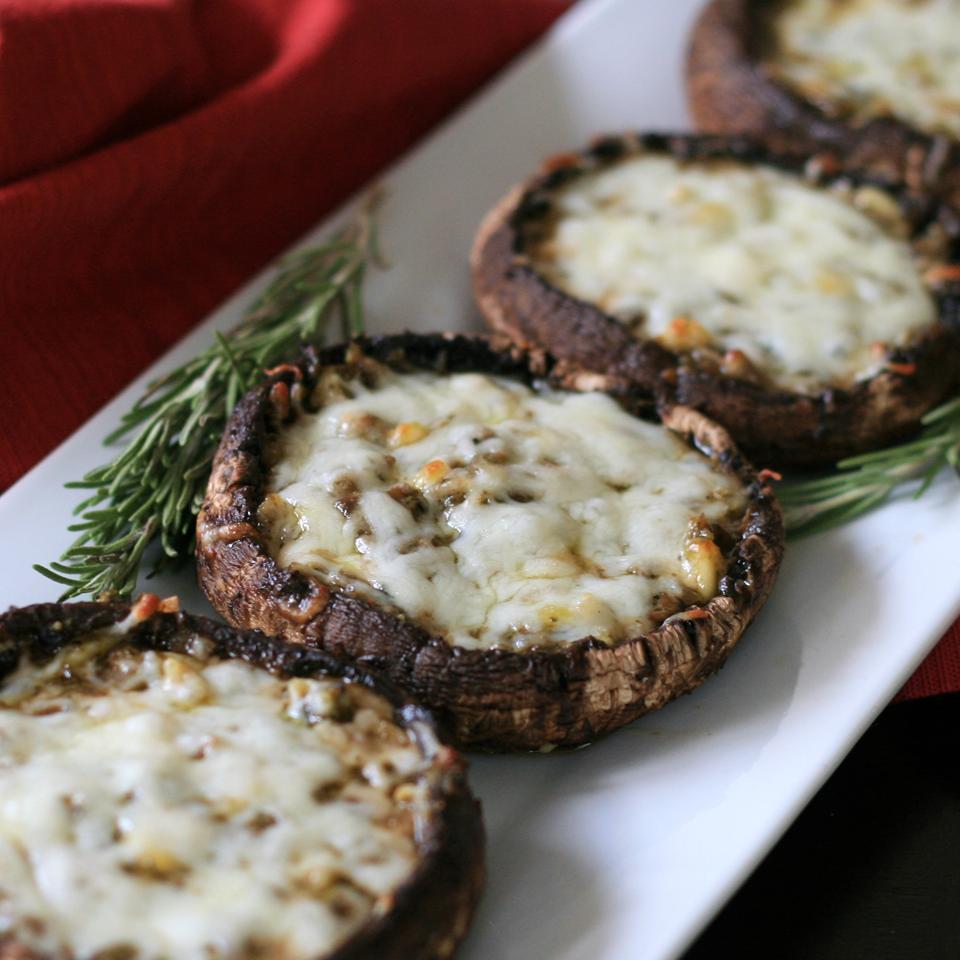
866 481
153 489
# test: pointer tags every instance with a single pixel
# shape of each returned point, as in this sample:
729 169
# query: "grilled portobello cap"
175 774
499 689
703 326
751 71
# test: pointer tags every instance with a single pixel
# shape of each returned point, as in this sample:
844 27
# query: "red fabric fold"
155 153
940 672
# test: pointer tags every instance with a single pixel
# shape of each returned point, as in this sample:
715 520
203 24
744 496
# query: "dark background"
871 869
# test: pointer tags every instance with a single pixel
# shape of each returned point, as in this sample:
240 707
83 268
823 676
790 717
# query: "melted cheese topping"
797 283
154 806
869 58
496 516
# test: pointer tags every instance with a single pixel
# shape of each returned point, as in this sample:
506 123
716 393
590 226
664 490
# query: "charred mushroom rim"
859 78
223 861
520 692
885 259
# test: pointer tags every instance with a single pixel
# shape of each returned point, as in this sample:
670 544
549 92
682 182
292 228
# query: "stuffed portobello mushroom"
176 788
810 311
492 532
876 80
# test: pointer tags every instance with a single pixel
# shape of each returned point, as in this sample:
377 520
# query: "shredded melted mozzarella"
874 58
494 515
730 257
155 806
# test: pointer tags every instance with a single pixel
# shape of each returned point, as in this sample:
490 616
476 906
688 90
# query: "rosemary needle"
153 489
866 481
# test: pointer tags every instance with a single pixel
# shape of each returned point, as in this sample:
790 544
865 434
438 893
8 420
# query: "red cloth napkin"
156 153
940 672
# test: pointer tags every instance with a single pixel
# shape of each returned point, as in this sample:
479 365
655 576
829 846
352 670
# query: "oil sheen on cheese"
494 515
870 58
156 806
798 279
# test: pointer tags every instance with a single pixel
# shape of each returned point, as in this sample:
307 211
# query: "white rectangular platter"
623 850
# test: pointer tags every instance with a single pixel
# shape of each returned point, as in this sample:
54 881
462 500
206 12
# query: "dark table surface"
871 869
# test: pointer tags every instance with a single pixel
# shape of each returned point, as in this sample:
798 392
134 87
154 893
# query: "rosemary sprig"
864 482
153 488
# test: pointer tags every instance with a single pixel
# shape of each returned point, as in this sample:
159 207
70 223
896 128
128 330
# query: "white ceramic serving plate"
623 850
